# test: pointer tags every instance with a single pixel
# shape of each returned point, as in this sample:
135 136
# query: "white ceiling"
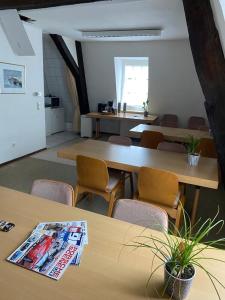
114 15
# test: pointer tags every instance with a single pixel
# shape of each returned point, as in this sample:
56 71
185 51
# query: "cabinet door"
48 121
59 120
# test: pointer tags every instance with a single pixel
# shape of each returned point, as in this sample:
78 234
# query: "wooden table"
132 158
120 116
107 271
170 134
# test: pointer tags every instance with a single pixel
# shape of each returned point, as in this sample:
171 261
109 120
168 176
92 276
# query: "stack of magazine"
52 247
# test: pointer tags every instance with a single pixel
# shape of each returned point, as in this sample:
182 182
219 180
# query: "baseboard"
21 157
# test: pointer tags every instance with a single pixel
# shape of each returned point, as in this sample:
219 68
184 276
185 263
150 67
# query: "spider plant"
180 254
192 144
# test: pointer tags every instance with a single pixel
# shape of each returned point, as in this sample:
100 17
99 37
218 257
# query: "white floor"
60 138
56 142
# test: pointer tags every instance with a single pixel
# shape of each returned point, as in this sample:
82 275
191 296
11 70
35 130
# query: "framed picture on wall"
12 79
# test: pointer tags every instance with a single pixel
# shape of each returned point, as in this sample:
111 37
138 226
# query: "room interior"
125 165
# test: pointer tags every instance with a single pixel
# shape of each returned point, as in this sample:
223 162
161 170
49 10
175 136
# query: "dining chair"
151 139
125 141
93 178
169 120
196 122
172 147
120 140
207 148
141 213
161 188
53 190
204 128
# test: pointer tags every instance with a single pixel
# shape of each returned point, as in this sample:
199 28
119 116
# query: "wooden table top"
107 271
170 134
123 116
131 158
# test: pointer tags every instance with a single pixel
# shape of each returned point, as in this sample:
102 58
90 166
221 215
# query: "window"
132 81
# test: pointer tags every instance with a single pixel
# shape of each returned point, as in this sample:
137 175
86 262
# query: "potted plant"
180 254
193 155
146 107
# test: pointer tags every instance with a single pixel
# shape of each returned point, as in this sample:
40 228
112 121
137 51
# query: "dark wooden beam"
71 64
35 4
82 72
210 66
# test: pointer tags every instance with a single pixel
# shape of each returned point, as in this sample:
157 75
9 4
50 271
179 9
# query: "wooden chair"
196 122
161 188
53 190
151 139
169 120
141 213
93 177
172 147
207 148
125 141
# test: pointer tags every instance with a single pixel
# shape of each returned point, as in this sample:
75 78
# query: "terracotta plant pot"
193 159
177 288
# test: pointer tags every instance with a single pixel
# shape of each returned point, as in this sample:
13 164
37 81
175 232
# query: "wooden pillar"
210 66
71 64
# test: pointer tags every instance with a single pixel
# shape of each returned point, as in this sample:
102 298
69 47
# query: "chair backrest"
158 186
172 147
92 173
207 148
141 213
53 190
169 120
120 140
151 139
196 122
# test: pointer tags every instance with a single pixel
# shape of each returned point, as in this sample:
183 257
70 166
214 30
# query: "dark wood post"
210 66
71 64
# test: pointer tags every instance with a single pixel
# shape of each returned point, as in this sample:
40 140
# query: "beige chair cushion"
53 190
141 213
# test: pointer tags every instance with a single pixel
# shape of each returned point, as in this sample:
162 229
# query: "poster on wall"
12 79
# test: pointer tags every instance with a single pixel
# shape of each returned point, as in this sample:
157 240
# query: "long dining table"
108 269
131 158
170 134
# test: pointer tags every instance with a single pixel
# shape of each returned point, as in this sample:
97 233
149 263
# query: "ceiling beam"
35 4
210 66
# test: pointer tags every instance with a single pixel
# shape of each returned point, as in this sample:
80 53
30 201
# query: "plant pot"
193 159
177 288
145 113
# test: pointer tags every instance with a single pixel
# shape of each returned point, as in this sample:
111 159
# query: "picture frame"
12 78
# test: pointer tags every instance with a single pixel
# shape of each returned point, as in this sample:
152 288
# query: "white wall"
54 71
218 8
173 82
55 80
22 119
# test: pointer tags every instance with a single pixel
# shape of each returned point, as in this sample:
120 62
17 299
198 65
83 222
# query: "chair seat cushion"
115 176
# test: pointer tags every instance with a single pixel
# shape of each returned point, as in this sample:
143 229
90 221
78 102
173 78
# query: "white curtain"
72 88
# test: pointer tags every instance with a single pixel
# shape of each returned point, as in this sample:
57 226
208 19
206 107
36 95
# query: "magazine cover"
74 232
45 253
52 247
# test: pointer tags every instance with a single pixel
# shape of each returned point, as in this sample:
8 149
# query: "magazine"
52 247
76 234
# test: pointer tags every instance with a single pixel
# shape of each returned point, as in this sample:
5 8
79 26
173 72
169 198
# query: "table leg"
97 129
195 204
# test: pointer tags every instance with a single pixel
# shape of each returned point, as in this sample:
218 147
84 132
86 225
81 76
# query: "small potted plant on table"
146 108
192 149
181 254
